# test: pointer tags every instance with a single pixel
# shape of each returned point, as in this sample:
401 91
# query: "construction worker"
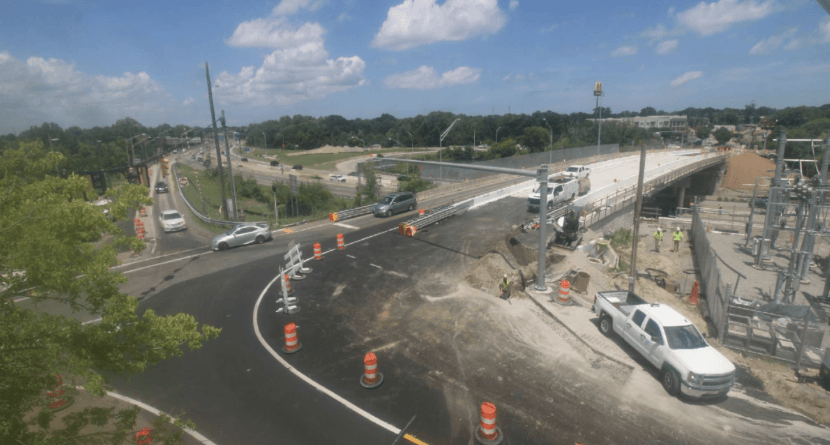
658 238
677 236
504 286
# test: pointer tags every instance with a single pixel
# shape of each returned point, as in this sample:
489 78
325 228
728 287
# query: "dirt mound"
520 252
743 169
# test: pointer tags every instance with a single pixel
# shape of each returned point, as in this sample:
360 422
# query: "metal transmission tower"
216 140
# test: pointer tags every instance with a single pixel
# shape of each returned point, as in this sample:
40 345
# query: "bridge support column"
681 196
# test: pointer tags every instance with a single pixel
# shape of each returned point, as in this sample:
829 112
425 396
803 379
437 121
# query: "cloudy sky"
91 62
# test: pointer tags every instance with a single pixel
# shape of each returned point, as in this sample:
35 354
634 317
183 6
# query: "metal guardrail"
409 228
203 217
351 213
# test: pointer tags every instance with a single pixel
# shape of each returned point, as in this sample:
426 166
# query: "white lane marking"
352 257
375 265
346 226
157 257
195 434
308 380
92 321
167 262
302 376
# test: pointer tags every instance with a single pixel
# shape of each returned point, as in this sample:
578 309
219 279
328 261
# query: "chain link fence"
788 333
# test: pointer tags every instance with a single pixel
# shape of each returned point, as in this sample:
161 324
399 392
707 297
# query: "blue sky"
90 63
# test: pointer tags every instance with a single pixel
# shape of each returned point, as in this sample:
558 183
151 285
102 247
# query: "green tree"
722 135
536 138
369 188
703 132
45 254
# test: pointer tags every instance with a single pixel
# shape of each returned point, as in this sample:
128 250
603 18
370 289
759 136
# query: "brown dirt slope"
744 168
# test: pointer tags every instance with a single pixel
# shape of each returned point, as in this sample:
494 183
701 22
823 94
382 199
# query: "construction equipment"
566 228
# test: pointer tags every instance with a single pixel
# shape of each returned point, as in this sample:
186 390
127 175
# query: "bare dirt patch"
743 169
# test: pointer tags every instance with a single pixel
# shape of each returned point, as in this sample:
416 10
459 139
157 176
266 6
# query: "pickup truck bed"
622 300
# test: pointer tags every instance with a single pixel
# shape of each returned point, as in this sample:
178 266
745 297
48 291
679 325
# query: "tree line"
111 147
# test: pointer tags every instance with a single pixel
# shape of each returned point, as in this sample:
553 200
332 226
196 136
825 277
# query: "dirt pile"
743 169
327 149
510 257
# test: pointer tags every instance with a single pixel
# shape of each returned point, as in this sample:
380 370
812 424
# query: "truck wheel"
671 381
606 325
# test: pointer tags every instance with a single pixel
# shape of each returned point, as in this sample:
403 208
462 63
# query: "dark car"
243 159
403 178
161 187
275 163
298 167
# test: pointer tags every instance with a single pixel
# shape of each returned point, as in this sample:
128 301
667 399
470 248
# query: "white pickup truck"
578 171
669 341
560 189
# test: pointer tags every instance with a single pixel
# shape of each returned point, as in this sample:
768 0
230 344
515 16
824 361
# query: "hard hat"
678 229
659 229
505 275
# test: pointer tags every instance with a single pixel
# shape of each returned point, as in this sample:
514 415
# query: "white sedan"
338 178
172 220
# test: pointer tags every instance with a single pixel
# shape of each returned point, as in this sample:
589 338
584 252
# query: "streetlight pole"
230 169
497 134
361 140
264 140
216 142
412 142
598 94
440 146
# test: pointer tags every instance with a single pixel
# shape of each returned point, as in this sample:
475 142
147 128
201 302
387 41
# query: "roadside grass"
317 160
253 210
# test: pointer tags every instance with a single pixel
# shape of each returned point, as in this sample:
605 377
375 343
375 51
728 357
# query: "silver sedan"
242 234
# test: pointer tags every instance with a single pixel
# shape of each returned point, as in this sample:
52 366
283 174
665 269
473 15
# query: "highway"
443 346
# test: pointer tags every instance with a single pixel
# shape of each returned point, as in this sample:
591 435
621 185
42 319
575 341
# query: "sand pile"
509 257
743 169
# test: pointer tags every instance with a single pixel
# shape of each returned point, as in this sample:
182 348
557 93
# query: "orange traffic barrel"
564 290
488 432
288 289
318 252
421 213
292 343
371 378
341 242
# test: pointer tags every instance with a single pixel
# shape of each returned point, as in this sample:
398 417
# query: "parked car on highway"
395 203
274 163
243 159
351 174
669 341
161 187
172 220
338 178
242 234
761 203
298 167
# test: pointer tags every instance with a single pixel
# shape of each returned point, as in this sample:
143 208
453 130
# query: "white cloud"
343 17
514 4
274 32
549 29
40 90
291 75
671 11
422 22
624 51
658 33
426 78
187 101
712 18
288 7
666 47
773 43
686 77
824 29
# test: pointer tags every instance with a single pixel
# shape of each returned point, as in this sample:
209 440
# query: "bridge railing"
608 200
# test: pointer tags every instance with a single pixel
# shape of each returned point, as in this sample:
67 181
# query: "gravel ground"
743 169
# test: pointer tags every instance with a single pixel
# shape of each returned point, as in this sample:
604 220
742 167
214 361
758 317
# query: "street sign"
295 189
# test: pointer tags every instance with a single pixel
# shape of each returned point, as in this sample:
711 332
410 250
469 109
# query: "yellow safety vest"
677 236
504 284
658 236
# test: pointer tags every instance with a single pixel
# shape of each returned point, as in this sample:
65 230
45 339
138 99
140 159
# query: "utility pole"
638 208
230 168
216 141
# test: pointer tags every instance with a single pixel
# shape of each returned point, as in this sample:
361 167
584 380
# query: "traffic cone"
695 292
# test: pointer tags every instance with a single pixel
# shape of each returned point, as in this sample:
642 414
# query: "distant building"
675 123
728 127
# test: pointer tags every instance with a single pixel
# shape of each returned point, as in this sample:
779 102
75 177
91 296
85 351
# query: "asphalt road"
444 348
